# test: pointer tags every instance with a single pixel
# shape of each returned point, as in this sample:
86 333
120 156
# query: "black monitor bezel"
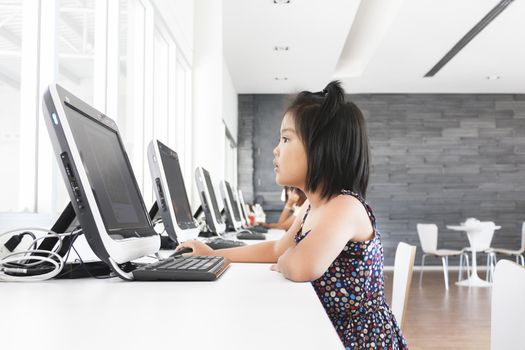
101 119
182 224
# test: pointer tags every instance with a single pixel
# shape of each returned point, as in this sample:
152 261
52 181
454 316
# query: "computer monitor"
230 204
244 208
99 180
209 202
172 199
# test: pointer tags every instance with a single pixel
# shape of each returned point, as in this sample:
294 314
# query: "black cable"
68 252
15 240
87 270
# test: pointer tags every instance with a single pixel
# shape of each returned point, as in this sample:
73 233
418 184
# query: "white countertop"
249 307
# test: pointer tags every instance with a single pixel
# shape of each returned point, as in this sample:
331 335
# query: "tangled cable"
34 264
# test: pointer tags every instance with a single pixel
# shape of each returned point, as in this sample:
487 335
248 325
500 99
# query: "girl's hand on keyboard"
198 247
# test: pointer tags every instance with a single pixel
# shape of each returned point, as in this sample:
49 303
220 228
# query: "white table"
249 307
472 231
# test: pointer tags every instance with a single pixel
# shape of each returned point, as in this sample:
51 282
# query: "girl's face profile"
290 161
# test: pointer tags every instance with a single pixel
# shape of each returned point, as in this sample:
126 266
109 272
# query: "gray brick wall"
435 158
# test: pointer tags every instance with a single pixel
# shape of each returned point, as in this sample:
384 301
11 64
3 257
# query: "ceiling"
419 34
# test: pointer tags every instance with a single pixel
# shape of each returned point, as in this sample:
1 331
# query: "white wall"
229 101
214 97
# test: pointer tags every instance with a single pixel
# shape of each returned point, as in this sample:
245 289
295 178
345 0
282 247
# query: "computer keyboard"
221 243
259 229
181 268
250 235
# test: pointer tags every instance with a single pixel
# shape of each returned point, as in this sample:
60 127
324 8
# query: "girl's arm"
343 218
264 252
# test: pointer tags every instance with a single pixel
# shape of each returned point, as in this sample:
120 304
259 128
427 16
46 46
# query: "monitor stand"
66 222
198 212
198 215
154 214
207 234
165 241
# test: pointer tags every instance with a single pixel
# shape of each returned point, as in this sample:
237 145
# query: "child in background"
294 199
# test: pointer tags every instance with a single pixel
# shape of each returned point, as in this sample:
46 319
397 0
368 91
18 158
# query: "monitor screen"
235 206
179 197
211 190
111 179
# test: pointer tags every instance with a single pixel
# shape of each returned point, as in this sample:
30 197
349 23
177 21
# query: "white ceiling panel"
314 31
422 32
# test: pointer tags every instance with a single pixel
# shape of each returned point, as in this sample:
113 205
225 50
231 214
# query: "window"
76 47
118 56
11 38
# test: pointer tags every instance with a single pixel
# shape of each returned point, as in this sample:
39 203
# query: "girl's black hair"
334 134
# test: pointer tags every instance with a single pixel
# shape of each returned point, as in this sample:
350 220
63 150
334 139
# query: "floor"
437 319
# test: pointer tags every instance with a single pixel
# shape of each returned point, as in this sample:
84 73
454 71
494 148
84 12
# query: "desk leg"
474 280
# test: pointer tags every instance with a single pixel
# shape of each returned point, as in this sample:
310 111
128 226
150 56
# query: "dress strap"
367 207
306 214
299 235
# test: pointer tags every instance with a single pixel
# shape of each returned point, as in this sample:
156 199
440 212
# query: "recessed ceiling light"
281 48
281 78
493 77
281 2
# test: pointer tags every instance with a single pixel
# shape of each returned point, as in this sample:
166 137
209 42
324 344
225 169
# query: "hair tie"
321 93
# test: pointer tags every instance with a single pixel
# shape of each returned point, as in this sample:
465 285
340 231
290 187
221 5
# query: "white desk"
473 231
249 307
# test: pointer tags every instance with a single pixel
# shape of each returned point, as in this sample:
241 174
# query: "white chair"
428 237
517 253
403 268
508 306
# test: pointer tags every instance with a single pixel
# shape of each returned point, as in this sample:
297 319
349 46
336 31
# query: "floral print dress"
352 293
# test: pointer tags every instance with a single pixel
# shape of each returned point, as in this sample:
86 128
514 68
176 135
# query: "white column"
188 140
29 106
173 124
113 63
208 131
149 41
46 164
135 86
101 42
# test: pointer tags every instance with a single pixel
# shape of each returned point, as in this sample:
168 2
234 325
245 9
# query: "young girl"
334 242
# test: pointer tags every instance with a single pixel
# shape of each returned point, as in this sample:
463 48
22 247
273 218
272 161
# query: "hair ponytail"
334 97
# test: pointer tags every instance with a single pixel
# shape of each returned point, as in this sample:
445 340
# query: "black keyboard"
181 268
221 243
259 229
250 235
